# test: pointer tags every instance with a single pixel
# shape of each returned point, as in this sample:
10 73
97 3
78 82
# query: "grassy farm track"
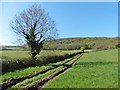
39 84
14 81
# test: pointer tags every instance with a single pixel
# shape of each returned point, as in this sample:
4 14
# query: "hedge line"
8 66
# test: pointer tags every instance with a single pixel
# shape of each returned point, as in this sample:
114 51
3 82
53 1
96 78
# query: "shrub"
117 45
82 49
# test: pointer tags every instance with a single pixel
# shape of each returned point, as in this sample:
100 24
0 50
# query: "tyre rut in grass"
11 82
39 84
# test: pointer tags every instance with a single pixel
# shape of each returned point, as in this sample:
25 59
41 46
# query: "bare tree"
34 26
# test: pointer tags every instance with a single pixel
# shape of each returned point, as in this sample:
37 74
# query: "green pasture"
92 70
27 71
14 55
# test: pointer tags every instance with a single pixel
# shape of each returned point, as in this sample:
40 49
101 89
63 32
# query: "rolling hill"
95 43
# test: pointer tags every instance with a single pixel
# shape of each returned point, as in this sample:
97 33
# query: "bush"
82 49
117 45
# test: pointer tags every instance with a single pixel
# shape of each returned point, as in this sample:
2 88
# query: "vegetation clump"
82 49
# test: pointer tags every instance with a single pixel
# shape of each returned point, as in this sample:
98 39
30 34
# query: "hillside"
95 43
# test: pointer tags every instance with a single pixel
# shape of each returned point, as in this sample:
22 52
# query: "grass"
28 82
21 73
27 71
16 60
92 70
14 55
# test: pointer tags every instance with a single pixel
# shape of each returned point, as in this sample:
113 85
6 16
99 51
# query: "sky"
73 19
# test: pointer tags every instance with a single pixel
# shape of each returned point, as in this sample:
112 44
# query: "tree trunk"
34 54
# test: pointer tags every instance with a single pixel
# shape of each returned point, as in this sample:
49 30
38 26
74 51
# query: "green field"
13 60
14 55
59 46
27 71
93 70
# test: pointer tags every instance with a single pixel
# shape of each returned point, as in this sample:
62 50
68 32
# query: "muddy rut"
39 84
11 82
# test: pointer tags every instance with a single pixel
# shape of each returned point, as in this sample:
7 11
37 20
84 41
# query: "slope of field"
95 43
93 70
